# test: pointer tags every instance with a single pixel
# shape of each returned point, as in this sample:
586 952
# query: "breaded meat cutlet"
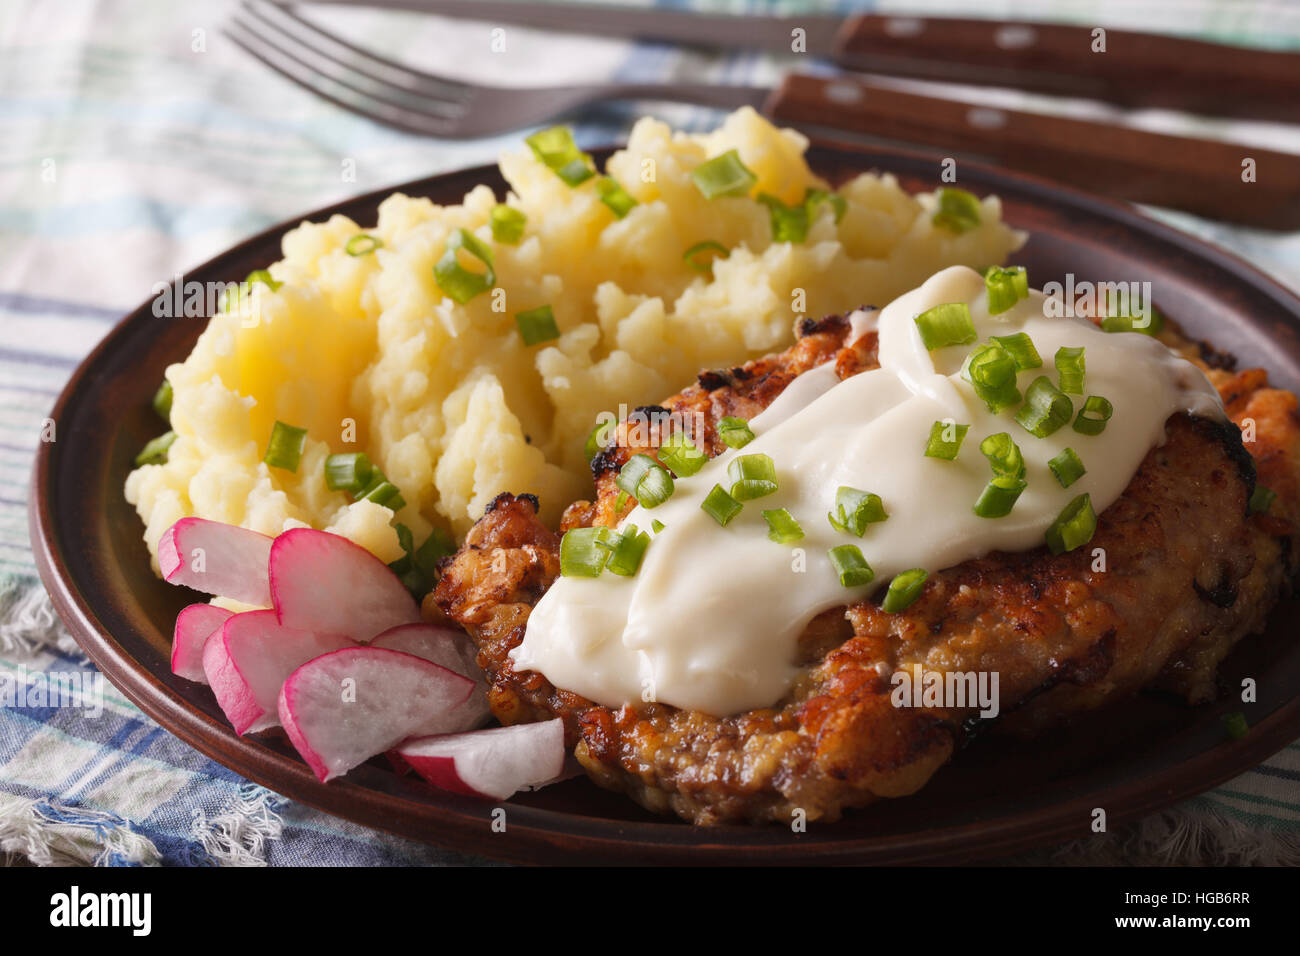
1188 573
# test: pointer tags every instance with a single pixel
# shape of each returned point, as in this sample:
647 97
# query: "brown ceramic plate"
997 796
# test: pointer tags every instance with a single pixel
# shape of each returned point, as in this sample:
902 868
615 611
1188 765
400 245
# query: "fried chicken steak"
1188 573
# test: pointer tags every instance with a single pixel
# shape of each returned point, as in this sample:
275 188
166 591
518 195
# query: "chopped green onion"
537 325
991 366
362 244
155 451
999 496
812 198
1129 323
1071 369
850 565
948 324
1094 415
418 567
413 579
789 223
1046 408
752 476
1261 499
680 455
1235 724
557 151
596 439
383 493
585 551
854 510
904 590
991 370
507 224
735 432
1073 527
645 480
456 282
162 400
720 506
1067 467
350 472
1005 287
622 499
627 551
404 537
656 525
437 546
692 255
724 175
285 448
781 526
614 196
959 211
1021 347
1003 455
942 447
263 276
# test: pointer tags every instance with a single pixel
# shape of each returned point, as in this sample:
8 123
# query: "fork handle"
1135 69
1206 177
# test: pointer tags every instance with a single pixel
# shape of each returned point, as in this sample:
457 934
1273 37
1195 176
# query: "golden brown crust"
1185 574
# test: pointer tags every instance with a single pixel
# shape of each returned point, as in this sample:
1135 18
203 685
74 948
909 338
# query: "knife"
1220 180
1120 66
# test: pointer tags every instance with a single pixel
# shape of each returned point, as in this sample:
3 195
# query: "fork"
1202 176
418 102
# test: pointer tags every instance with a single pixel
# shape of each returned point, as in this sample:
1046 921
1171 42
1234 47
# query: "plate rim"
547 831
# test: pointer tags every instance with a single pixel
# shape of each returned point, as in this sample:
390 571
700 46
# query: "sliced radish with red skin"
194 625
343 708
323 582
217 558
248 660
452 649
493 763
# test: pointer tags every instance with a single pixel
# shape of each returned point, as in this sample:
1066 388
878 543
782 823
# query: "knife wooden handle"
1135 69
1200 176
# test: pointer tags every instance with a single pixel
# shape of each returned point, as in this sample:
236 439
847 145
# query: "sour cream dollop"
712 619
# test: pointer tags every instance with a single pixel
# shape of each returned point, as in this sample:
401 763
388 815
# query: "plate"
997 797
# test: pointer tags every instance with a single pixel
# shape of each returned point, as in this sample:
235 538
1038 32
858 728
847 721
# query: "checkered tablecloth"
137 141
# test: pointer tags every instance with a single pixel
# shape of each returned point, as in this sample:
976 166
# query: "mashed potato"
367 354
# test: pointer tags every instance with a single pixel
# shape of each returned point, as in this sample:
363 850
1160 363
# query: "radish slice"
452 649
490 763
248 661
344 707
323 582
194 625
217 558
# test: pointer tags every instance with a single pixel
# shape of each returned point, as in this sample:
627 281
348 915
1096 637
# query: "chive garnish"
944 325
904 590
537 325
507 224
1094 415
724 175
285 448
456 282
720 506
850 565
782 527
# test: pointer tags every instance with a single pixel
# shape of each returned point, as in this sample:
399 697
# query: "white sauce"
712 619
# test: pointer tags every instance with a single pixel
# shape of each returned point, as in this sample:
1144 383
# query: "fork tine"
294 70
347 74
365 61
